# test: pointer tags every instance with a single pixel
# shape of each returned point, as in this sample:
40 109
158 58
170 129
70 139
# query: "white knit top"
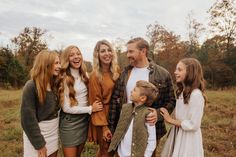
81 95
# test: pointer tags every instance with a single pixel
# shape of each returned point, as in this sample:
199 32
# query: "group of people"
123 112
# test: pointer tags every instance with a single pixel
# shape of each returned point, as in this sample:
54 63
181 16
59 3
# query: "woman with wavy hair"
101 83
40 106
74 116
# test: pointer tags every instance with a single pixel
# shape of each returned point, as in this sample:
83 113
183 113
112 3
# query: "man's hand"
42 152
152 117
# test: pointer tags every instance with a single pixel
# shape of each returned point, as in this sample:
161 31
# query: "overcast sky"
84 22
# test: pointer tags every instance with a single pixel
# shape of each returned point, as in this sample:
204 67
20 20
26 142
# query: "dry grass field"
218 125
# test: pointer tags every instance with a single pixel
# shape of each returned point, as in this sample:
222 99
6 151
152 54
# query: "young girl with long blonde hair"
74 116
40 106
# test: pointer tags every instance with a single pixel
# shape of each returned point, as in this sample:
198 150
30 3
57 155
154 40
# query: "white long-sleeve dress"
188 137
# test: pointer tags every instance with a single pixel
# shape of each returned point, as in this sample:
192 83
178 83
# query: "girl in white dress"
185 137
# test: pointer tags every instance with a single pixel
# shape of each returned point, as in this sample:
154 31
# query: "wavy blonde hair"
67 78
114 68
42 72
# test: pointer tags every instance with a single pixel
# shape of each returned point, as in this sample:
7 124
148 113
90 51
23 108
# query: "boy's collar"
138 106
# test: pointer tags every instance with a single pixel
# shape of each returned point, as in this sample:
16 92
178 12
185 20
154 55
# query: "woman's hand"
97 106
42 152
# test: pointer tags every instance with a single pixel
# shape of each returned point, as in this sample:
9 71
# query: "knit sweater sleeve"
29 120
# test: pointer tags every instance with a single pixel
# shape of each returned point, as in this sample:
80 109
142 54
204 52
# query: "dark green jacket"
139 133
32 113
166 98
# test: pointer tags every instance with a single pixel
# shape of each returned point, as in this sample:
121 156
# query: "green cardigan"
139 134
32 113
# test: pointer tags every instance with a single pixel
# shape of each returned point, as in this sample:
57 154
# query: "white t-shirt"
136 75
124 148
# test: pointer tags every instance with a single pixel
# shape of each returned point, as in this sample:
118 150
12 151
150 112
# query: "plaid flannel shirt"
166 98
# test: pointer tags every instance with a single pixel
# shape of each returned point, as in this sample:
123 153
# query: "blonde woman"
101 83
74 116
39 108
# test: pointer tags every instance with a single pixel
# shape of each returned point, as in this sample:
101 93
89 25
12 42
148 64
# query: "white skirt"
49 130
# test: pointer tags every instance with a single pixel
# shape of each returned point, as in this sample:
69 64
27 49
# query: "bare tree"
28 44
223 20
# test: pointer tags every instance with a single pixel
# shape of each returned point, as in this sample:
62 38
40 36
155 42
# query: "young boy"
133 136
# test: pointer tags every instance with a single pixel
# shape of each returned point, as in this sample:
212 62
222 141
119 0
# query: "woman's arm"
95 94
164 112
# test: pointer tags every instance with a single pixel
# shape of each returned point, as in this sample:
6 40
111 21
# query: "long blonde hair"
114 68
67 78
42 72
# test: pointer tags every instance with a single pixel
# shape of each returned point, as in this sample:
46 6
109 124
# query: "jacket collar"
150 66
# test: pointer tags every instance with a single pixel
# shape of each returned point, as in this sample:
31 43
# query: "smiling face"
180 72
134 54
75 58
56 67
105 54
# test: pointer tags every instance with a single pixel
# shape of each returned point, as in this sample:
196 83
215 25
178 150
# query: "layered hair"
193 79
42 72
140 44
147 89
66 77
114 68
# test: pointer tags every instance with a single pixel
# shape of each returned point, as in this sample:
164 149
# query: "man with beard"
141 68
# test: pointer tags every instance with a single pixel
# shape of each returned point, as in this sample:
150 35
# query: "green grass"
218 125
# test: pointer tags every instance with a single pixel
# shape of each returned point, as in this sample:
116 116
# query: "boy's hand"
152 117
107 135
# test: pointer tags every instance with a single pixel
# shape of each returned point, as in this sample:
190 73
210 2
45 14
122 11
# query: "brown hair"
67 78
193 79
147 89
140 43
114 68
42 72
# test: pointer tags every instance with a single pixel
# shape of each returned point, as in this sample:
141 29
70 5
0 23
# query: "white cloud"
84 22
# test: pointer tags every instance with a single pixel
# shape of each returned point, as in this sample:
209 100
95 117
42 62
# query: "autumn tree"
28 44
166 46
89 66
223 21
195 30
217 73
118 45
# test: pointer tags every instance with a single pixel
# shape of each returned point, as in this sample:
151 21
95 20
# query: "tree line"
217 53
